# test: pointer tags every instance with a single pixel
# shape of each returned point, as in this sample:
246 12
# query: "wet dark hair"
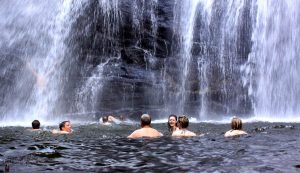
145 120
121 117
62 124
35 124
169 127
183 121
105 119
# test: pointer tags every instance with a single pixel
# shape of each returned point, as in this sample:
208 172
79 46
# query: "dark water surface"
269 147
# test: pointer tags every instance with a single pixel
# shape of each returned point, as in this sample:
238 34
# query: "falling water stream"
208 59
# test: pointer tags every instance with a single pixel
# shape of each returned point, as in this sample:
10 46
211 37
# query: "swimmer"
109 120
35 125
146 130
183 123
172 123
64 128
236 128
106 120
42 78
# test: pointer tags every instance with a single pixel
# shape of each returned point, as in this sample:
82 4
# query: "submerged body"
64 128
236 128
146 129
183 132
96 148
183 123
231 133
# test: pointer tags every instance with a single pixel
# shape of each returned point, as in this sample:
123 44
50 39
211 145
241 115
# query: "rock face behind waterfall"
140 49
128 57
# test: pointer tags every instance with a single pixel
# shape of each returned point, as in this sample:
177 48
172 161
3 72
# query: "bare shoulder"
176 133
156 131
241 132
228 133
231 133
191 133
159 133
183 133
55 131
135 134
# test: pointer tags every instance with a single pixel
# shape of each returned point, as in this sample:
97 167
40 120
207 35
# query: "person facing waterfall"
183 123
236 128
146 129
41 79
109 120
36 125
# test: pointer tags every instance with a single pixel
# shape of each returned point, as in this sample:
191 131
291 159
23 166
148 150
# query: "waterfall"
37 44
273 67
184 21
104 89
222 28
88 94
209 45
208 59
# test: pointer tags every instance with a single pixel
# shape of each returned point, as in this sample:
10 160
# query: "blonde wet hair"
236 123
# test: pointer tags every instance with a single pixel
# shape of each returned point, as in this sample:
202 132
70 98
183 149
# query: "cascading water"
274 61
184 21
37 44
207 59
222 46
105 88
208 51
88 94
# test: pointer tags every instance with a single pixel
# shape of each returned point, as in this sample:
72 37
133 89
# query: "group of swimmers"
177 127
64 127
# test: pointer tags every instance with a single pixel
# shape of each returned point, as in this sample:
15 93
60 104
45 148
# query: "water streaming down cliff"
274 61
90 90
183 27
208 59
32 51
211 46
116 47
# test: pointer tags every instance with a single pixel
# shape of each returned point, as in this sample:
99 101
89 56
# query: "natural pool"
269 147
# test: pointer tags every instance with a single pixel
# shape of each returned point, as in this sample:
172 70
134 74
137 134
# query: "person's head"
236 124
105 119
122 118
145 120
172 122
65 126
183 122
35 124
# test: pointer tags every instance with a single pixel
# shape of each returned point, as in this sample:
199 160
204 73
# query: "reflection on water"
94 148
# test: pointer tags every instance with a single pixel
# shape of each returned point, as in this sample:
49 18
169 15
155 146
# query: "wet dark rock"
6 168
297 166
260 129
141 46
32 148
265 169
283 126
48 154
279 126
